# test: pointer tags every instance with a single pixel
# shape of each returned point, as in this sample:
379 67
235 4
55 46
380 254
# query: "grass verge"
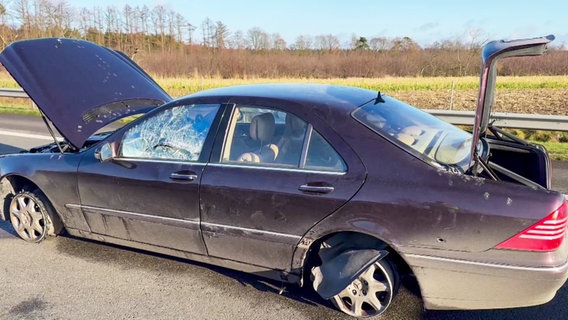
556 150
19 109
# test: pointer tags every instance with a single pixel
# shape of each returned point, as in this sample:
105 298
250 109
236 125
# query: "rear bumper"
458 284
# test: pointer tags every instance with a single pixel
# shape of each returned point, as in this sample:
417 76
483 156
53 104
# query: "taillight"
545 235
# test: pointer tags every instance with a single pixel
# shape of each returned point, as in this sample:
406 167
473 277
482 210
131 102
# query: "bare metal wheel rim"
369 295
27 217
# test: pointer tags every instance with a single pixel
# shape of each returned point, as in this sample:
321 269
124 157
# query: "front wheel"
29 215
371 293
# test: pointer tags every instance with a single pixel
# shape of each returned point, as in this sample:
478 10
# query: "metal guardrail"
507 120
13 93
502 119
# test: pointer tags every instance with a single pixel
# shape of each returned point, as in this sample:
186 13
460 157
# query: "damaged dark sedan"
340 188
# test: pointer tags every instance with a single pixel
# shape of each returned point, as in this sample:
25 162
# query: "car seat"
292 141
261 131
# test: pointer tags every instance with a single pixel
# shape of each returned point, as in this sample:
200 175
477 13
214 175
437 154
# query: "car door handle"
189 176
316 188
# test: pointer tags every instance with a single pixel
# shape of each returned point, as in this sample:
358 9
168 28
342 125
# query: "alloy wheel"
370 294
28 217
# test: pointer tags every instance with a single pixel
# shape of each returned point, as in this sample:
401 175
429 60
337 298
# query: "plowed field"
532 101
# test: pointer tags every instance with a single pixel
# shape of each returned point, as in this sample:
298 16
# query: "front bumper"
459 284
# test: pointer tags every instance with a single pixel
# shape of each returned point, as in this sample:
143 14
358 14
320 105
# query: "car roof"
340 98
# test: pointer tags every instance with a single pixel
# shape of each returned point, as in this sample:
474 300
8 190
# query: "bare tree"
221 35
327 42
22 11
190 29
238 40
128 19
380 44
172 30
98 24
159 24
277 42
404 44
113 27
58 18
208 31
258 39
180 23
144 17
85 21
7 34
303 42
3 13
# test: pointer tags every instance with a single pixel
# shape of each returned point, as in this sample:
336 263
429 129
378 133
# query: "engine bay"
67 147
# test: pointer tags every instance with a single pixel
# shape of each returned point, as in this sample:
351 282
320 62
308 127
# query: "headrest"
407 139
414 131
295 125
262 127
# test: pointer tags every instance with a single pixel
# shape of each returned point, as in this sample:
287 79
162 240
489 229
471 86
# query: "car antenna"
379 98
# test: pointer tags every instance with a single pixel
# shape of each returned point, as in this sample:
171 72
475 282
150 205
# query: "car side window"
271 137
322 156
176 133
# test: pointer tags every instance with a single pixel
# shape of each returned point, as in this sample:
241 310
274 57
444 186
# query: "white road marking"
25 135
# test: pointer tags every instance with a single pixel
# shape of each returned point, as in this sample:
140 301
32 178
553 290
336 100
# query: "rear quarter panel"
417 208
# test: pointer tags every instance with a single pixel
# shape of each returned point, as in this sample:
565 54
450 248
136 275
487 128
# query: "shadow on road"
6 228
130 258
407 302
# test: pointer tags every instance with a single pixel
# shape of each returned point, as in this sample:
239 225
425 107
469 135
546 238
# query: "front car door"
275 176
149 192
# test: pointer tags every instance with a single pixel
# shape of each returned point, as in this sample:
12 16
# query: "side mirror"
106 152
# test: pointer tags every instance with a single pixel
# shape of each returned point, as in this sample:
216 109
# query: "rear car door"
273 177
149 192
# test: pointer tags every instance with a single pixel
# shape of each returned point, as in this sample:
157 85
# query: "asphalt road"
71 278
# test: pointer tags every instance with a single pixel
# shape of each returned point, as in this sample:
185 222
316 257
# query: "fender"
45 171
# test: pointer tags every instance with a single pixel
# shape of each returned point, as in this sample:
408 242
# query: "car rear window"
414 128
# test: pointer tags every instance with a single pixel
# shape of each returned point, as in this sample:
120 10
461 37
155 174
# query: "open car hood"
80 86
491 53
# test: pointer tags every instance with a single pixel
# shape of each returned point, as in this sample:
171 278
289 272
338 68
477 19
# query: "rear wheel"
29 215
371 293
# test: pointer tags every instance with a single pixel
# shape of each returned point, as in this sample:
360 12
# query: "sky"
424 21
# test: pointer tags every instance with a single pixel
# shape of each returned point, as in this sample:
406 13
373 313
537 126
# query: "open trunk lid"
491 53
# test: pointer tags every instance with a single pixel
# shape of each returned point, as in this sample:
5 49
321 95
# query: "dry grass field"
530 94
534 94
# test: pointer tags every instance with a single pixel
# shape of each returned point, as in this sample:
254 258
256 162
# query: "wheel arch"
311 258
9 185
355 252
12 183
18 182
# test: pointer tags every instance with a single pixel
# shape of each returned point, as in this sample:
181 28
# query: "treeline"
165 43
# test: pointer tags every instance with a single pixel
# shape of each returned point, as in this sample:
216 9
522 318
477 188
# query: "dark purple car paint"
439 224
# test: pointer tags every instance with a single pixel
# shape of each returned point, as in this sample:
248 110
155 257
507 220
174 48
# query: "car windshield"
424 133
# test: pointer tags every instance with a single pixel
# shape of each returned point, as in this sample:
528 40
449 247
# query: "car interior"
263 136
